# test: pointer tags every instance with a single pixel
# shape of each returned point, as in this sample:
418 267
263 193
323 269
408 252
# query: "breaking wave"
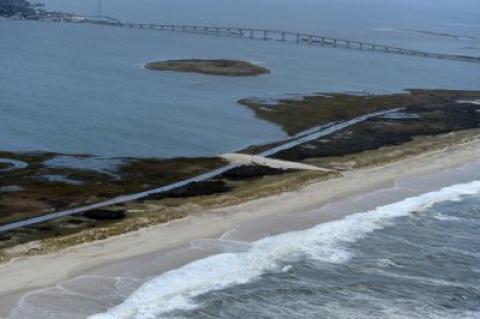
326 242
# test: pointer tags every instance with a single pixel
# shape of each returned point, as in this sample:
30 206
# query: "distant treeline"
10 8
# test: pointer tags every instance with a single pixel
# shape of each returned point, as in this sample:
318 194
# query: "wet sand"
151 251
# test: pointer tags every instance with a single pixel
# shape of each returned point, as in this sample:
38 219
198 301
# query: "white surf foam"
447 218
475 102
327 242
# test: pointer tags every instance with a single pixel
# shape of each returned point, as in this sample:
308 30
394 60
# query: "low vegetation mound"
212 67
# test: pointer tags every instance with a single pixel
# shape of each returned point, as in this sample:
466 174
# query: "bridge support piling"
285 36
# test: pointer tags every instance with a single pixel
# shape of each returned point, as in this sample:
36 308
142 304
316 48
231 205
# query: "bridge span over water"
297 38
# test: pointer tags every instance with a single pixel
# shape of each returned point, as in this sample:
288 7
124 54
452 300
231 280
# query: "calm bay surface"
82 89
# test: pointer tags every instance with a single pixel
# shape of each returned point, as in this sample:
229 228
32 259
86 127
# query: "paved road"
309 135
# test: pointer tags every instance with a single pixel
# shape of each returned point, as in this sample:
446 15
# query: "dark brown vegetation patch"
193 189
104 214
295 115
211 67
251 171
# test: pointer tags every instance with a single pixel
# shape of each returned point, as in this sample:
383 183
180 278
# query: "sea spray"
327 242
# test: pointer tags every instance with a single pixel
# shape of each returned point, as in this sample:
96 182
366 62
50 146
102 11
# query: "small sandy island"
212 67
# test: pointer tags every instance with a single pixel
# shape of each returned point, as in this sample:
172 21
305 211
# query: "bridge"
297 38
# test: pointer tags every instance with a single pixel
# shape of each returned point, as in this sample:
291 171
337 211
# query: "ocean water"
418 257
82 89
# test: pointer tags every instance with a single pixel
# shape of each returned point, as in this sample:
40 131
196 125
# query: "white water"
327 242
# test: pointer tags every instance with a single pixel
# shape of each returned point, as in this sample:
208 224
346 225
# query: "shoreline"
176 236
48 195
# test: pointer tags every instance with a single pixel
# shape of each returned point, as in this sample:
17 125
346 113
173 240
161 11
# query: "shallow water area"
12 165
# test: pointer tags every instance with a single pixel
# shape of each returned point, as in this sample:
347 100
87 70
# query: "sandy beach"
170 244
